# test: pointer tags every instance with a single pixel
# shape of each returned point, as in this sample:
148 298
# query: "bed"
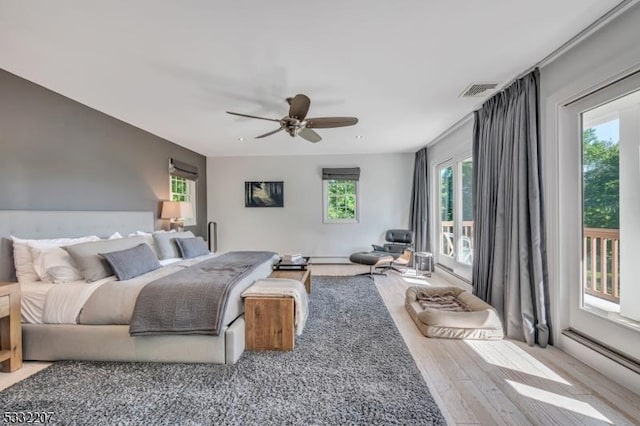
51 312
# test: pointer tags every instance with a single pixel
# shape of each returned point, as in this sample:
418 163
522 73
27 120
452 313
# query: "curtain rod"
613 13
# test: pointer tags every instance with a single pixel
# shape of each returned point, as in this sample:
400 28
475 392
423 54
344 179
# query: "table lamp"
176 212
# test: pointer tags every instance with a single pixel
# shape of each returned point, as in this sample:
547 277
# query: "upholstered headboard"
57 224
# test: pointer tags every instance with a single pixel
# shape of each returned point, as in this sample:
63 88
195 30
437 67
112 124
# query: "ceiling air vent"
478 90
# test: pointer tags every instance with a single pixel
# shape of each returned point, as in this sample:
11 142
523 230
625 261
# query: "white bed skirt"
55 342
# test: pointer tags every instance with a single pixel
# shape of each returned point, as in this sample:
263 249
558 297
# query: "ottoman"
452 313
373 259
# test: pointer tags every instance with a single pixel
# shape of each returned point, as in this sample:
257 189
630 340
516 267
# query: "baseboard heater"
446 268
451 272
603 349
330 260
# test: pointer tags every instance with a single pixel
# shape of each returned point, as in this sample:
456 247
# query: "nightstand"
10 327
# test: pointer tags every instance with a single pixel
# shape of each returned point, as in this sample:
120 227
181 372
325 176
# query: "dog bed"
452 313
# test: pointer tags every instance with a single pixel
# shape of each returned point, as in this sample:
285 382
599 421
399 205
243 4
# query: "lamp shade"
176 210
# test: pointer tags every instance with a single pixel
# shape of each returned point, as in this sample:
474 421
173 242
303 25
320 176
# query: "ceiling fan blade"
270 133
329 122
252 116
309 135
299 106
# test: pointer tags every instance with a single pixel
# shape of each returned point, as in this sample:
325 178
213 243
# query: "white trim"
458 124
612 14
565 266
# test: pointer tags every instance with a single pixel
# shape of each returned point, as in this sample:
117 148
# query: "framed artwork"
264 194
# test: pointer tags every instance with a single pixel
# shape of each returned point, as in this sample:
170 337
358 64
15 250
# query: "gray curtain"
419 212
509 255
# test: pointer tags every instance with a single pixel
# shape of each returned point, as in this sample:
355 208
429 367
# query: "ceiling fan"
296 122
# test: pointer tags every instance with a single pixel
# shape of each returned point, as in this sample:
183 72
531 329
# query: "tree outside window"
182 189
341 201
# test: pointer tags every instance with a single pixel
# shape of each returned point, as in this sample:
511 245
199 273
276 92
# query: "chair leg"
371 272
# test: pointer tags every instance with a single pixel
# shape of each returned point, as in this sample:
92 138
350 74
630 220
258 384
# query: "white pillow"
151 242
23 259
54 265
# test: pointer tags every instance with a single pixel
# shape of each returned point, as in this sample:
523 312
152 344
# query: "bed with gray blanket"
190 311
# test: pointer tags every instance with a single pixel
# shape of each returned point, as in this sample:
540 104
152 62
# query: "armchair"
397 241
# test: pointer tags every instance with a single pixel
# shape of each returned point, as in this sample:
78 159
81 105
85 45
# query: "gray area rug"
350 366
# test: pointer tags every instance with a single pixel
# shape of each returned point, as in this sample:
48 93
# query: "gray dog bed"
452 313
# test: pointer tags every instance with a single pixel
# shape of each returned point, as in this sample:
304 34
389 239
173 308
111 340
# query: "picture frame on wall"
264 194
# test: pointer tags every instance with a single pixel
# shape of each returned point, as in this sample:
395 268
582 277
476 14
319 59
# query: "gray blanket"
192 301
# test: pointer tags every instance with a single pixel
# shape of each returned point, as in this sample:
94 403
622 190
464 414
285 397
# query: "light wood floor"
506 382
488 383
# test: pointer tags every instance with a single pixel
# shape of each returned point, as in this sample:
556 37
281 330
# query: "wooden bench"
304 276
269 323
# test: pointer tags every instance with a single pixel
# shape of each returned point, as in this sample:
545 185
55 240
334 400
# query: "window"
455 204
446 211
610 141
182 189
340 201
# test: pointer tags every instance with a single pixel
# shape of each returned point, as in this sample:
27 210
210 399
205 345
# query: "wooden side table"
10 327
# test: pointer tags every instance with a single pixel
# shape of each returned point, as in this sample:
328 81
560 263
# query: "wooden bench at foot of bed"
269 323
273 308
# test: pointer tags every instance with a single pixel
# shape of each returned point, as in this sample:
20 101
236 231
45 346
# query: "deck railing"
601 263
447 246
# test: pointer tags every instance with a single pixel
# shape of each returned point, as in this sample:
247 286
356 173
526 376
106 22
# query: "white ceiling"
174 67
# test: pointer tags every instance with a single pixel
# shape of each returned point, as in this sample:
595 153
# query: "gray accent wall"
57 154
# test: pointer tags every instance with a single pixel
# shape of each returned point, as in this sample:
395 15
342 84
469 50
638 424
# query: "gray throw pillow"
165 241
132 262
192 247
87 257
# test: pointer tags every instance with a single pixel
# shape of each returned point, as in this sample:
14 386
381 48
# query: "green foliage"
179 190
601 182
467 190
446 194
342 199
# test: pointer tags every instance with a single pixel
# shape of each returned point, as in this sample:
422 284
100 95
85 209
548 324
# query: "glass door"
455 216
604 129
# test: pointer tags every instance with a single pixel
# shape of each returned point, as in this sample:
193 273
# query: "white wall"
385 188
610 53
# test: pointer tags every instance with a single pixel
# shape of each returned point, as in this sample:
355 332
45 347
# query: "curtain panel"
419 209
509 254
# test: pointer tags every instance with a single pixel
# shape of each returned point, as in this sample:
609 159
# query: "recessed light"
358 136
241 139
